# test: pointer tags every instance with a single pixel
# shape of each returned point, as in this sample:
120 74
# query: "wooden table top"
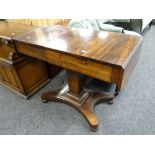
9 30
104 47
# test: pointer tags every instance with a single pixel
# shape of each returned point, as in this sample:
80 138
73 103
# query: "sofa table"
106 56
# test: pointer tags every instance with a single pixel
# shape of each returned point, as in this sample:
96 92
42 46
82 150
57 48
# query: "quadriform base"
84 101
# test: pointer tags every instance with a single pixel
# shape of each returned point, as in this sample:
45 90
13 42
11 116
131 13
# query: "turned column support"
82 100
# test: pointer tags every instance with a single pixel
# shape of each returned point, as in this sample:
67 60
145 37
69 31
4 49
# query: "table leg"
82 100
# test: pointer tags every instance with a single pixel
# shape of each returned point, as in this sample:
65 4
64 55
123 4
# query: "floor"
133 111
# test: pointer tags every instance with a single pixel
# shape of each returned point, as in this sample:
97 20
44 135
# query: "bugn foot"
44 101
49 96
93 129
86 108
110 102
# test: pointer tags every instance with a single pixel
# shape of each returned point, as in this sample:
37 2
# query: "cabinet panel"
3 74
10 75
30 72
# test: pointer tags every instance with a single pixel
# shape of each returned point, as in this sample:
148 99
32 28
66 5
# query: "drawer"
30 51
53 57
87 67
43 54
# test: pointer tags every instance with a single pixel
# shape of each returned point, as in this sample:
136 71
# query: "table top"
9 30
104 47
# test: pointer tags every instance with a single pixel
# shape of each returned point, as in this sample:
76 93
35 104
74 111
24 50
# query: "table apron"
87 67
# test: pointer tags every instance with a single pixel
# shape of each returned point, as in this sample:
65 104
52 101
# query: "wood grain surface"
10 30
104 47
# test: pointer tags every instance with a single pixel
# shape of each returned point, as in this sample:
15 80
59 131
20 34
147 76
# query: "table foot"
84 102
116 91
110 102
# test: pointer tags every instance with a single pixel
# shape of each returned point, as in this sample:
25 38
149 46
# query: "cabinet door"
1 79
2 73
8 77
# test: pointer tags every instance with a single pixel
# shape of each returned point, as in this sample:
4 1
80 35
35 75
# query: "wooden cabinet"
22 74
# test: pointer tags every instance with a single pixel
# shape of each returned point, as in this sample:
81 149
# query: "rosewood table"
106 56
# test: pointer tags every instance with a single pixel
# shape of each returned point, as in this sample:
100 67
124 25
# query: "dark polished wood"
102 55
97 46
22 74
107 56
82 100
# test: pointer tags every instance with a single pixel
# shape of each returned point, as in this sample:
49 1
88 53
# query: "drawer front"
45 55
87 67
30 51
53 57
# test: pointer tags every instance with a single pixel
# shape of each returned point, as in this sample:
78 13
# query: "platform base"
84 102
